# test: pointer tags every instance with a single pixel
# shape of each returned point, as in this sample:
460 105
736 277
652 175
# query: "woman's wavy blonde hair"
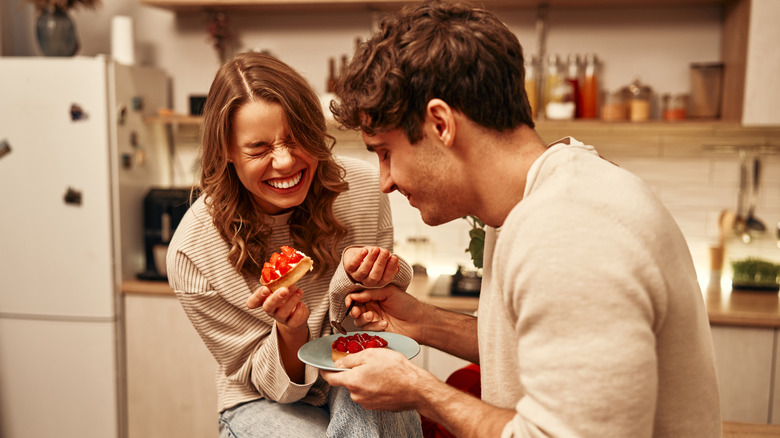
313 226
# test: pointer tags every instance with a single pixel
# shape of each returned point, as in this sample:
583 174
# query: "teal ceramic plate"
317 352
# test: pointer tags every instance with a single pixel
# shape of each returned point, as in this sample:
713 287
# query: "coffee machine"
163 210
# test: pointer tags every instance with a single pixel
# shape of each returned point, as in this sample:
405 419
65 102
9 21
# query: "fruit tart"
285 269
344 345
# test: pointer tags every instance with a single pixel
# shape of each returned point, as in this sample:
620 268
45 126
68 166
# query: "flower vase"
56 33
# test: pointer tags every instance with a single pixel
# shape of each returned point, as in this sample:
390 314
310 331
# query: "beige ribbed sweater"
591 320
244 341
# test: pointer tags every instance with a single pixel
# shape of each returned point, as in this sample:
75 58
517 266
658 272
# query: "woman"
269 179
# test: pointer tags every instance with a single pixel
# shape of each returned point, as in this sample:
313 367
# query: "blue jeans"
341 418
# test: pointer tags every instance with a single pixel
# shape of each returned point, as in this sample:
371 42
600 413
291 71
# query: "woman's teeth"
285 183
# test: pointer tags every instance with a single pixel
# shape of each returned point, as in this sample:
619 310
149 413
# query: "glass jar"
561 105
639 101
613 107
674 106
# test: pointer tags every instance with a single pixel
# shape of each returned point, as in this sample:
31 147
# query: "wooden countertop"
724 306
733 429
741 308
420 288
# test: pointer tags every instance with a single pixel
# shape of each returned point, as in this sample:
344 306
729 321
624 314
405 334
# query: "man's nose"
386 183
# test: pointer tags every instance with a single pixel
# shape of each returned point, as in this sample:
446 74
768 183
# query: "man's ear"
440 117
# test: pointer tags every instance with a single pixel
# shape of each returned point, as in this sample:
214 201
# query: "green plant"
755 271
477 243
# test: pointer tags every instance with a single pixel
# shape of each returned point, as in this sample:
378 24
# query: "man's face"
421 172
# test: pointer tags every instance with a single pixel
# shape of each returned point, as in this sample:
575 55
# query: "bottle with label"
573 78
589 92
552 79
531 64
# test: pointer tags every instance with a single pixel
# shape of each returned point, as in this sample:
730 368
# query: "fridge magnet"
121 115
126 161
72 196
77 112
5 148
138 103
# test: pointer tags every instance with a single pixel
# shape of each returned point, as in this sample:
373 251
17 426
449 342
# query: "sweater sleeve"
342 285
246 356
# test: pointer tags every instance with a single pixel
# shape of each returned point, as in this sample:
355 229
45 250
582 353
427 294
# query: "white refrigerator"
76 159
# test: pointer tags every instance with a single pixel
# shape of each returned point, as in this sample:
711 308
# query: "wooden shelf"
185 6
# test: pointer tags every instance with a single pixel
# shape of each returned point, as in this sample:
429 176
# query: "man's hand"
371 266
389 309
380 379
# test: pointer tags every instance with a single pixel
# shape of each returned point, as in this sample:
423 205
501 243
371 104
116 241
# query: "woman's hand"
285 305
371 266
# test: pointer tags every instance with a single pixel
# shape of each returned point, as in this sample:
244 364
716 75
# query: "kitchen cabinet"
749 51
171 389
745 360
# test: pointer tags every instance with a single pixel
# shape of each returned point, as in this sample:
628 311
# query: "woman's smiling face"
269 164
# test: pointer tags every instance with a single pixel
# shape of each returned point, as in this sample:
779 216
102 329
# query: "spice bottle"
573 78
552 79
531 64
590 88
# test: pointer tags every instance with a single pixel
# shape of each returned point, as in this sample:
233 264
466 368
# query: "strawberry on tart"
345 345
285 268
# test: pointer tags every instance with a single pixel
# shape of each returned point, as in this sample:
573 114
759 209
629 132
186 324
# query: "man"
591 321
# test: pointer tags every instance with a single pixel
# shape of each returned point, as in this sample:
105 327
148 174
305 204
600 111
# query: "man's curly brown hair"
462 55
314 228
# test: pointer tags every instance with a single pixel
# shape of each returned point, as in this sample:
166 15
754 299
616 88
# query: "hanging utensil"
752 222
740 226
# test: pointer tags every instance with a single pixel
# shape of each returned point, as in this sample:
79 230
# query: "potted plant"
755 274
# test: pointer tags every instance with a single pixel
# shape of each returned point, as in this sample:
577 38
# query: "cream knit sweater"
244 341
591 320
